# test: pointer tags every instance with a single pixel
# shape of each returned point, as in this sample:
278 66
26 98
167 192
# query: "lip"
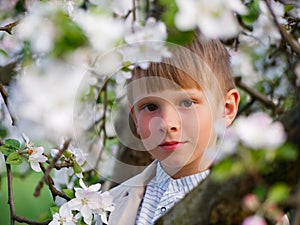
171 145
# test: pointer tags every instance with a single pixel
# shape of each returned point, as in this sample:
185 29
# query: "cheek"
143 128
149 132
146 126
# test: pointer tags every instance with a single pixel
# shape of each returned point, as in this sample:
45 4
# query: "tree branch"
46 176
257 95
5 99
8 28
287 37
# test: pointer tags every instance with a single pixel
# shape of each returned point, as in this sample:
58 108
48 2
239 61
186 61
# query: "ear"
232 100
134 119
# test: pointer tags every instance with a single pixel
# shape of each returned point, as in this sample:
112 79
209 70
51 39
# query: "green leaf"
70 193
76 167
226 169
14 159
6 150
71 35
260 192
3 132
287 152
12 143
288 7
278 193
54 209
253 12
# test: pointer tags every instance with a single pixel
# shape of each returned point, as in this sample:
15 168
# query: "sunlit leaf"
76 167
278 193
14 159
54 209
70 193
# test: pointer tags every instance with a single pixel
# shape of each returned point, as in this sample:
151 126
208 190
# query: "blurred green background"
37 209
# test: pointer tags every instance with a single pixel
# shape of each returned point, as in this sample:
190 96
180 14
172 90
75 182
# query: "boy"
176 105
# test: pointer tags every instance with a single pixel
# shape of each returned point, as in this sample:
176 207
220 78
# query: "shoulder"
136 182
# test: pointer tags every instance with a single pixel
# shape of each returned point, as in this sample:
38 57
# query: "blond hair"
202 64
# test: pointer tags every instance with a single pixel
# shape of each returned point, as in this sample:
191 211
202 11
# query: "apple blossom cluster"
215 18
89 202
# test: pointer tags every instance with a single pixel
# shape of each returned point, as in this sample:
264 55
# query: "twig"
50 167
287 37
7 28
10 194
62 165
5 99
255 94
102 127
13 216
133 11
22 219
53 190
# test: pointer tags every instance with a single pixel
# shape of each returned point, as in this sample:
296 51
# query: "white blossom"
146 43
106 201
86 201
64 216
259 131
108 63
43 98
215 18
103 31
36 155
121 7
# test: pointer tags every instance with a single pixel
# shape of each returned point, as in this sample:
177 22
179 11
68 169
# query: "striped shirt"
163 192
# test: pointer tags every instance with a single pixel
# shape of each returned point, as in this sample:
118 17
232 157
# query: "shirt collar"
186 184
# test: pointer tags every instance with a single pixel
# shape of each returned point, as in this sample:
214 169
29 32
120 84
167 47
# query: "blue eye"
186 103
150 107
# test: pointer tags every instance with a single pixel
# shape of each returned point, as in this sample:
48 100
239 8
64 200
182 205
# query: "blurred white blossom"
43 98
254 220
36 155
103 31
215 18
119 7
251 202
44 40
242 65
259 131
108 64
264 28
146 43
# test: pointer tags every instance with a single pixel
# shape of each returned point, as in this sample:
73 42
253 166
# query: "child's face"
176 126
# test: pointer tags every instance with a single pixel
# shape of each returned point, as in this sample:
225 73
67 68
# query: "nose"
170 119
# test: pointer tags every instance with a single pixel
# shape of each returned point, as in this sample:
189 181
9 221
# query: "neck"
187 170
